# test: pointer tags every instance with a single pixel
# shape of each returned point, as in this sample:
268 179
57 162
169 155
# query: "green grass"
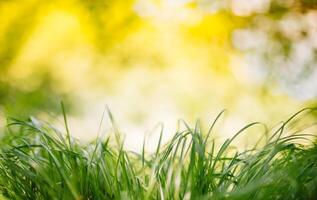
39 162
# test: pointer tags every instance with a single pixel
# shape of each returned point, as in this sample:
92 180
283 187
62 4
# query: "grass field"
38 161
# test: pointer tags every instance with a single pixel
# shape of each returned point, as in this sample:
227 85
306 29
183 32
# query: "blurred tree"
281 38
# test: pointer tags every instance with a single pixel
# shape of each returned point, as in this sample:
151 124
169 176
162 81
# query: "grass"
38 161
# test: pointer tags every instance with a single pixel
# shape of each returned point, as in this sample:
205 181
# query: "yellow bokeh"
150 61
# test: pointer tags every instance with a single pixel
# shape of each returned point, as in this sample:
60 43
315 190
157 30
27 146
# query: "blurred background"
157 61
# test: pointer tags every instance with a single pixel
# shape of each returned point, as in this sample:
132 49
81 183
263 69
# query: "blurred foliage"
209 51
101 22
285 43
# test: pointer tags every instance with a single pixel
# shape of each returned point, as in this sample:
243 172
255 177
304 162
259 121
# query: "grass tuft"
38 161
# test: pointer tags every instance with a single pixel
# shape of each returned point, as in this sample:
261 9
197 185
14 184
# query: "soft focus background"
157 61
